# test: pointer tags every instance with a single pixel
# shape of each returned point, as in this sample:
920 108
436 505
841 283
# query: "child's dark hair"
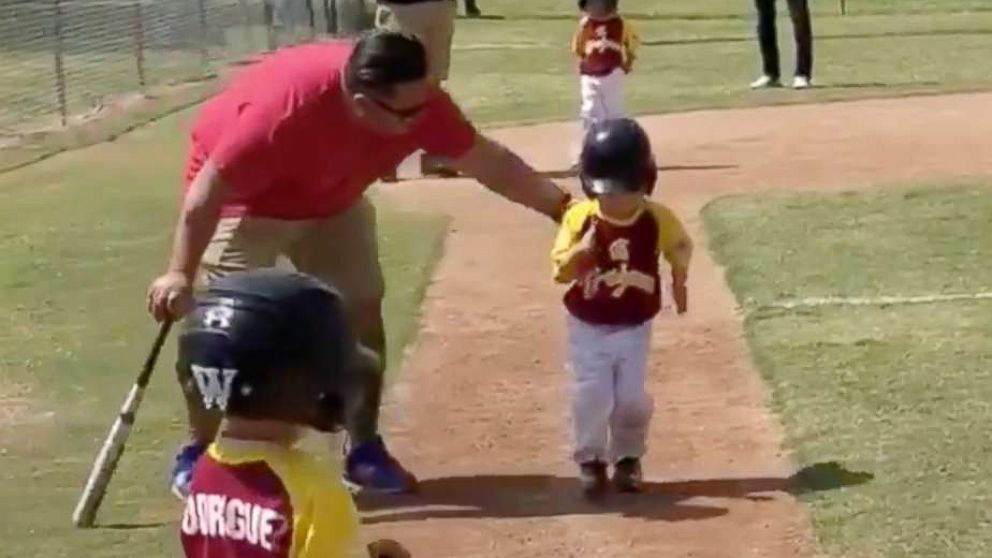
382 60
607 5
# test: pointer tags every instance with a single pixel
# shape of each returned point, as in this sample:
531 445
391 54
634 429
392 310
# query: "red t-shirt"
288 147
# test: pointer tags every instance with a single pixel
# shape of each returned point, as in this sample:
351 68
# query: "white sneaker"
801 82
764 82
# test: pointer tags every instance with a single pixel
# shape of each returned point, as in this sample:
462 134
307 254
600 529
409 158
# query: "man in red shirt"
278 166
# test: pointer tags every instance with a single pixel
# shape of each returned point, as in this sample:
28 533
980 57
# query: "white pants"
610 408
602 98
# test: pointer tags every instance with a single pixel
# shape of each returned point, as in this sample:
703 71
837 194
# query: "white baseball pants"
602 97
611 410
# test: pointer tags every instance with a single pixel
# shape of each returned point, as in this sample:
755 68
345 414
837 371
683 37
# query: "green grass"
901 391
515 65
703 54
81 235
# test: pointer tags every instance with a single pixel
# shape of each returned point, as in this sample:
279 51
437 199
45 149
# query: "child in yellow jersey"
605 44
273 351
608 250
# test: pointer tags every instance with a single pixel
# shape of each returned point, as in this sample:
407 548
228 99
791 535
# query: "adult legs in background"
472 8
768 43
433 22
802 28
343 251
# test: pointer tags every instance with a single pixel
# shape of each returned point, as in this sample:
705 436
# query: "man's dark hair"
382 60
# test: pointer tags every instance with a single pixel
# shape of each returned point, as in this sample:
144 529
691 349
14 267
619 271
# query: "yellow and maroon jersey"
624 288
261 500
603 45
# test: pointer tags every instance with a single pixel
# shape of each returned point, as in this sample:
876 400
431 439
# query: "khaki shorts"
341 251
433 22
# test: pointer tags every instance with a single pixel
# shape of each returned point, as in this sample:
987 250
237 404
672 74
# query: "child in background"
608 250
605 44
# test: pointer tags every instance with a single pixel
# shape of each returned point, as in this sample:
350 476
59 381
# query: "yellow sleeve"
579 40
569 234
325 519
673 241
631 41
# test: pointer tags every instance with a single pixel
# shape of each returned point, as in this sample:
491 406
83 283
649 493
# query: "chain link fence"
64 58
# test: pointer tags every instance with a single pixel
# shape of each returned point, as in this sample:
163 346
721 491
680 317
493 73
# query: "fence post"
249 36
139 44
352 17
331 9
268 16
313 19
204 54
59 67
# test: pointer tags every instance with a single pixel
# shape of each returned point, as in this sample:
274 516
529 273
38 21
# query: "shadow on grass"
132 526
517 496
875 85
484 17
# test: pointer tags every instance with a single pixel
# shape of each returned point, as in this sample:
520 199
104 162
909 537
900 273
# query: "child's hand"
681 296
585 258
387 548
679 291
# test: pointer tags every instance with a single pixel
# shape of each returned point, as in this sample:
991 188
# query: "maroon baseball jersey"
624 288
260 500
604 45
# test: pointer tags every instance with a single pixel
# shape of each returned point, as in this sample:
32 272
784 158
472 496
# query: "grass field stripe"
814 302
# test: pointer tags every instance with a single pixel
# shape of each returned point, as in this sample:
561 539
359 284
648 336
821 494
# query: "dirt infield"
481 410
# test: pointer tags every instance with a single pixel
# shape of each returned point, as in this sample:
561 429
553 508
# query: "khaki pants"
433 22
341 251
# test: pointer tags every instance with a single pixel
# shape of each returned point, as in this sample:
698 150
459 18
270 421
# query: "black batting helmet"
276 345
617 157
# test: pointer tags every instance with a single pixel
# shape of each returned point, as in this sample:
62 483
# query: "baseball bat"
113 446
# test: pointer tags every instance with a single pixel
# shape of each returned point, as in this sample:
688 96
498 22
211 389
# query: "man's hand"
386 548
170 296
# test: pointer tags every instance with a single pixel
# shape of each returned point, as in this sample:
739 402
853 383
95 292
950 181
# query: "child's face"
620 205
598 9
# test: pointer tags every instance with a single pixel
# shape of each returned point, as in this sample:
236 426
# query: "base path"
481 411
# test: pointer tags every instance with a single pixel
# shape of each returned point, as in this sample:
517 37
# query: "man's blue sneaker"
370 467
182 473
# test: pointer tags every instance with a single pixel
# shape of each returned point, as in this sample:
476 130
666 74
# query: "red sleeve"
245 154
445 131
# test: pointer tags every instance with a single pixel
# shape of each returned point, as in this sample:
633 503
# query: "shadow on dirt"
517 496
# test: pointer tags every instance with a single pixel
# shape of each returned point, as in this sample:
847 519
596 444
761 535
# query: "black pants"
767 38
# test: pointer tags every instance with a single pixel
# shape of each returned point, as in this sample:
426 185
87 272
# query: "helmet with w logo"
275 345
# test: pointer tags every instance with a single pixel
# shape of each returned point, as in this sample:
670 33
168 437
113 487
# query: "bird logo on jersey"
619 278
602 42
